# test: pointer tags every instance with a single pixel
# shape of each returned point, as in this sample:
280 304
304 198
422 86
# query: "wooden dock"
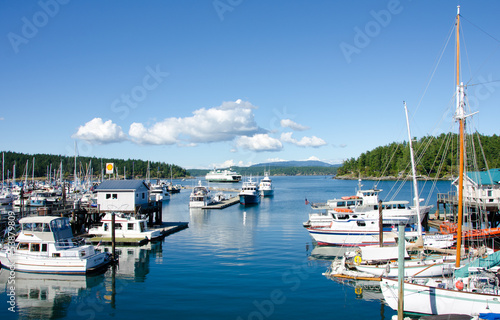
223 204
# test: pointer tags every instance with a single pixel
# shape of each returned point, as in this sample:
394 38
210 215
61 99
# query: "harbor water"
242 262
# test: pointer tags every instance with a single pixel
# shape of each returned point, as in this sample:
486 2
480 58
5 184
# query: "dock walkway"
223 204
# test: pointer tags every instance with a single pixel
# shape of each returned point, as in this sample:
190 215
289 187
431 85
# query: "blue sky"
236 82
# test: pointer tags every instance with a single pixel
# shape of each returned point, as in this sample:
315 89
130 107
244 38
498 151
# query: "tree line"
436 157
276 171
45 163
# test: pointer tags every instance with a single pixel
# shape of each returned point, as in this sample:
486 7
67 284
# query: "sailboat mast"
461 118
416 201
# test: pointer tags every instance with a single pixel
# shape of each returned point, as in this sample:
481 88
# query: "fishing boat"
223 176
249 193
266 185
125 227
46 245
471 290
200 196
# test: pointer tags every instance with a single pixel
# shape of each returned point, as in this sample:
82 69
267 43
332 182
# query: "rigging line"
481 83
489 35
436 66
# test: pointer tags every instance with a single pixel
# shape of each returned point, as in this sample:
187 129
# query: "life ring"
357 260
358 290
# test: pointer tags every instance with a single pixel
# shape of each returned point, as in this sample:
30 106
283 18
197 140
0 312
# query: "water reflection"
47 296
43 296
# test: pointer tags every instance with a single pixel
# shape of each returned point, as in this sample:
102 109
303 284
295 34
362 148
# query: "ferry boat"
266 186
46 245
125 227
223 176
249 193
200 196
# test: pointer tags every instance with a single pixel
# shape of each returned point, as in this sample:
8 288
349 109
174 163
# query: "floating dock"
223 204
165 229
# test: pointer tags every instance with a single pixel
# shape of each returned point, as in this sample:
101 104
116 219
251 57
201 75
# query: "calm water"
237 263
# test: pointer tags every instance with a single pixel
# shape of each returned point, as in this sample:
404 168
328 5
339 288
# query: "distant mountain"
306 163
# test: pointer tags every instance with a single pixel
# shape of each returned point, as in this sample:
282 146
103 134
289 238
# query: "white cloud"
231 119
313 158
287 123
259 142
313 141
99 132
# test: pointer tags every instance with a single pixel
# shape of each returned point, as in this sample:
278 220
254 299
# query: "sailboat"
464 293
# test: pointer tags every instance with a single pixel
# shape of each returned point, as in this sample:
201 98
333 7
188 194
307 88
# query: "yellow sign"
109 168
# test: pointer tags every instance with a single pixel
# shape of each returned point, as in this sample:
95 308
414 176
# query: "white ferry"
223 176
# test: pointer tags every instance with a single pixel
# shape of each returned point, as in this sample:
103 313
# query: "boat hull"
327 236
437 301
60 265
430 268
249 199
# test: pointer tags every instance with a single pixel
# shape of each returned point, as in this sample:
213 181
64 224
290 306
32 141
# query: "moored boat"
125 227
266 186
249 193
46 245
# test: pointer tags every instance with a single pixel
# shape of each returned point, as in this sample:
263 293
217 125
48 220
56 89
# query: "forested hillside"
436 157
276 171
48 162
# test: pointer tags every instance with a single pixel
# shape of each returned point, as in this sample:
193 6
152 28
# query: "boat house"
481 193
122 195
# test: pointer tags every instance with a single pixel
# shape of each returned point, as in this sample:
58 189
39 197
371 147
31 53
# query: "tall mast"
416 201
460 116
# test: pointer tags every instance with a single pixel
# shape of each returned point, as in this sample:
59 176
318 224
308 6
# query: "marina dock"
166 228
223 204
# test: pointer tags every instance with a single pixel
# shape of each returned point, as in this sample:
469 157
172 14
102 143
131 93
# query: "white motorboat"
266 186
6 196
249 193
223 176
158 192
125 227
46 245
200 196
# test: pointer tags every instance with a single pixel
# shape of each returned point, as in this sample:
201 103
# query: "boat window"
375 207
115 196
394 206
82 253
106 227
44 247
108 195
361 223
37 227
118 226
56 255
341 204
35 247
342 216
27 226
46 227
143 226
23 246
351 203
401 206
130 226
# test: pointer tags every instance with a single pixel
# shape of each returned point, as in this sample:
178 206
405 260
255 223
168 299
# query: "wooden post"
401 270
113 236
380 225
